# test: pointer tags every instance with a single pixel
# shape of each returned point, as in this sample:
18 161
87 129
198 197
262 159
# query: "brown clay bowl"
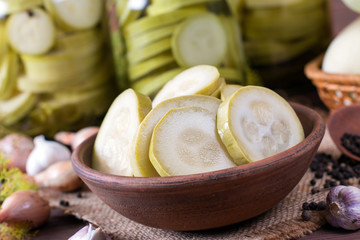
208 200
345 119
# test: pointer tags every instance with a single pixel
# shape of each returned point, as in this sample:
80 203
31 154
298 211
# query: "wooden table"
62 226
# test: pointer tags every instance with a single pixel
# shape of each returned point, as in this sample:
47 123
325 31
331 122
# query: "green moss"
15 231
12 180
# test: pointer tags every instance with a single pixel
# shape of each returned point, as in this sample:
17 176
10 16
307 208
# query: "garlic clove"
16 147
88 233
343 207
60 176
74 139
44 154
26 207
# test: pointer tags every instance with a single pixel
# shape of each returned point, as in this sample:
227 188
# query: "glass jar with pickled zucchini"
55 65
155 40
280 37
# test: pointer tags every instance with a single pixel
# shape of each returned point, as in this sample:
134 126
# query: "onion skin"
16 148
343 207
26 207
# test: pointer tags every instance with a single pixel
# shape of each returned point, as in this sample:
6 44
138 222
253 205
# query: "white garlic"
44 154
88 233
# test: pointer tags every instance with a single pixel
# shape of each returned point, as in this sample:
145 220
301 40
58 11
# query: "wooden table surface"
62 226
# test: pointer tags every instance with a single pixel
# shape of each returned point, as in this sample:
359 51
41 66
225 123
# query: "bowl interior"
344 120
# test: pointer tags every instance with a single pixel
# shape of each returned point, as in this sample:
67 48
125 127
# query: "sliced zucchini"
201 79
255 123
185 141
113 142
140 153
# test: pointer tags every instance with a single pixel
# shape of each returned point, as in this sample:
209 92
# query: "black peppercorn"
79 195
333 184
315 190
306 215
64 203
313 182
321 205
313 206
319 174
305 206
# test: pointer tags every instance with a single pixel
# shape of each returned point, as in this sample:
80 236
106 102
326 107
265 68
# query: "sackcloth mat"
283 221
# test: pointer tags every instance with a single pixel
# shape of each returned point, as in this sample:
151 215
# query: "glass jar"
55 65
155 40
280 37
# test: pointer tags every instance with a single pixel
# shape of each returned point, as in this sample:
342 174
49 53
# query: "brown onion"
16 148
26 207
74 139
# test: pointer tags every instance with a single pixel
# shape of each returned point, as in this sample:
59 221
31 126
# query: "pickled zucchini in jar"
153 41
280 37
56 69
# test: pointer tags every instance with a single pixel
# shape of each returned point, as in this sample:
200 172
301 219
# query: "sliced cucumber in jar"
166 6
74 15
152 84
148 66
133 43
31 32
200 39
144 53
16 107
152 22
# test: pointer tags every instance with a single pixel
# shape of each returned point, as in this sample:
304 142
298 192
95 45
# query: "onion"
26 207
16 148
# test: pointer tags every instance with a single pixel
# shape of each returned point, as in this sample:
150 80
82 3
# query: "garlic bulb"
44 154
88 233
60 176
26 207
343 207
16 147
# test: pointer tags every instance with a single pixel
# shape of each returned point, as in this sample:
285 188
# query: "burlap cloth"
283 221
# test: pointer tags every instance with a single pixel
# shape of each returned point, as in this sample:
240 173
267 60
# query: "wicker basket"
335 90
